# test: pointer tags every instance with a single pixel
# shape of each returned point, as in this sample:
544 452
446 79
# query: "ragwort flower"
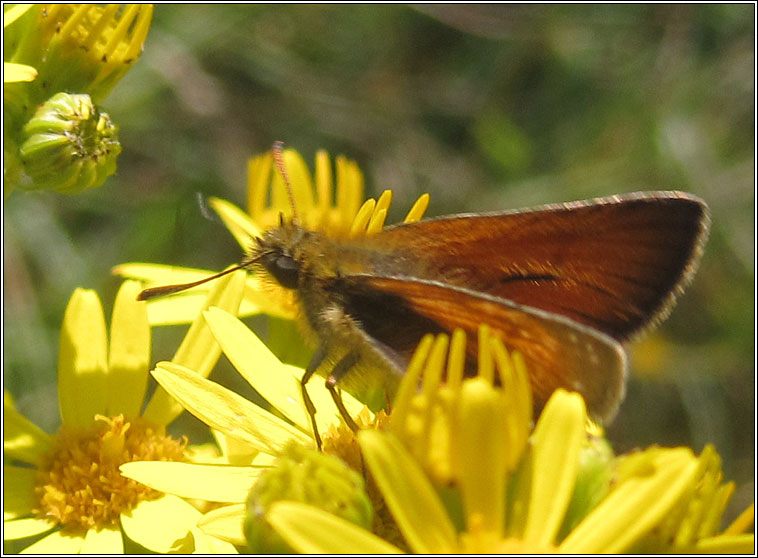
267 200
510 496
82 48
70 492
266 432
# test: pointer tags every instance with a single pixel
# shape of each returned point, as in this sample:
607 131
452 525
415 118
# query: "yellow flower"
266 201
81 48
267 197
263 432
76 499
510 496
262 296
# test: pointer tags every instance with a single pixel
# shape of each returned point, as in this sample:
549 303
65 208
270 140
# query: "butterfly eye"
284 268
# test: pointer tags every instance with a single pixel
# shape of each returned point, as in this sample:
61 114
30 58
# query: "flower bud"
69 145
307 476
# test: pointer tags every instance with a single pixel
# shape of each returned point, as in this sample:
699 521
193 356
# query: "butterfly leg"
316 360
339 371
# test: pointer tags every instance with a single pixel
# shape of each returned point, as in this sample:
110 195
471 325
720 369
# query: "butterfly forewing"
614 264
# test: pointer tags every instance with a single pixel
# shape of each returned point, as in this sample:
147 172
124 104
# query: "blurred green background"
485 107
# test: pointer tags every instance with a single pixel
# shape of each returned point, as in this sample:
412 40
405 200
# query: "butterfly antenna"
164 290
277 150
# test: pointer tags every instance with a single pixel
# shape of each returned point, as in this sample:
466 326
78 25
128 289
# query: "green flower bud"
69 145
308 476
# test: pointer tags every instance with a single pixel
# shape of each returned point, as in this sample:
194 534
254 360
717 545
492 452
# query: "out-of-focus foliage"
485 107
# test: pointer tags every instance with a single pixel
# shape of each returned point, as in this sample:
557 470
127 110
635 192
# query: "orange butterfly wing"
558 352
615 264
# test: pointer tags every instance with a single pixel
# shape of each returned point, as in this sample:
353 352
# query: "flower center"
341 442
79 484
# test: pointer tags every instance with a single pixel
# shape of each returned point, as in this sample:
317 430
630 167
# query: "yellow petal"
158 274
278 383
18 72
225 523
514 383
258 171
207 544
302 187
379 215
15 12
259 366
383 203
233 451
206 454
107 540
22 439
410 497
237 221
483 455
58 542
199 350
349 190
358 228
419 208
310 530
226 411
743 522
214 483
184 307
409 385
556 444
170 310
161 525
26 527
82 360
635 507
18 492
323 179
727 544
175 310
138 28
129 358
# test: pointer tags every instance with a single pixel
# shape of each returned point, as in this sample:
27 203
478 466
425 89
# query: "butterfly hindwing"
558 352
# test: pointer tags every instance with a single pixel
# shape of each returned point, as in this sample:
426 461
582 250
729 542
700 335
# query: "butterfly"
563 284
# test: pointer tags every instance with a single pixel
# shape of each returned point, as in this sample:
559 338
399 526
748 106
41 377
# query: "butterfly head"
279 252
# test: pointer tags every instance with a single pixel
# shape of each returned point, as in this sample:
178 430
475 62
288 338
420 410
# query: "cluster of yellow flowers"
457 466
